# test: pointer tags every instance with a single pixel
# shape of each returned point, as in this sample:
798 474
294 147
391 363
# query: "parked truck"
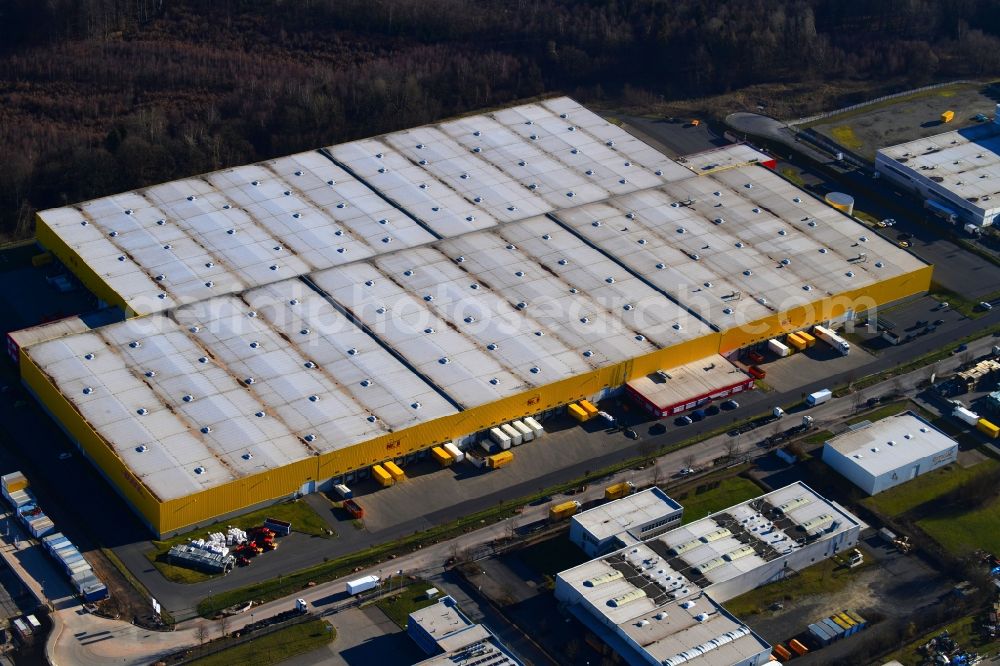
819 397
619 490
795 341
343 491
442 456
362 584
779 349
966 415
809 339
832 339
988 428
564 510
354 509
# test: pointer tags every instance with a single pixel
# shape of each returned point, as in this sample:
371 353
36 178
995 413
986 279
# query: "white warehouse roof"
623 514
965 162
234 386
891 443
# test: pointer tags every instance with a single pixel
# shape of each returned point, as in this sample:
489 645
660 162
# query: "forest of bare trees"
98 96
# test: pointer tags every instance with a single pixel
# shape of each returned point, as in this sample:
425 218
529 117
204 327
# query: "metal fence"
827 114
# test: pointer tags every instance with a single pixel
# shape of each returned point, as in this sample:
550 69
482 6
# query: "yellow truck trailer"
947 116
498 460
578 412
794 340
442 457
588 407
564 510
810 340
382 476
397 473
988 428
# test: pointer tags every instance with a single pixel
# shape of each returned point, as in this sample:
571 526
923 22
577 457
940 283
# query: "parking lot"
811 365
908 118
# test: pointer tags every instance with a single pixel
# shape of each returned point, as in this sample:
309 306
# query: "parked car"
959 349
687 471
938 322
711 410
755 357
631 434
985 306
698 415
730 405
903 244
683 420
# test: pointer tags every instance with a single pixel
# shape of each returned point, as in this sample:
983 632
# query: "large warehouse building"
296 321
956 173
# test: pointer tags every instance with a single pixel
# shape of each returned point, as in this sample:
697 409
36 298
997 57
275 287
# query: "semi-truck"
966 415
779 349
832 339
819 397
363 584
564 510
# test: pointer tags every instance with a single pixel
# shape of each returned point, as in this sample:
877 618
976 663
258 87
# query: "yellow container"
564 510
393 469
18 484
588 407
795 341
988 428
618 490
577 412
846 618
382 476
809 340
947 116
498 460
441 456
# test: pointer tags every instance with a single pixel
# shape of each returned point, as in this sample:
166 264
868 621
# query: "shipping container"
966 415
564 510
442 457
832 339
577 412
382 476
779 349
795 341
501 438
809 340
363 584
19 498
527 434
619 490
354 509
860 621
512 433
41 527
394 469
988 428
835 629
947 116
820 633
798 647
498 460
535 426
588 407
343 492
454 451
782 653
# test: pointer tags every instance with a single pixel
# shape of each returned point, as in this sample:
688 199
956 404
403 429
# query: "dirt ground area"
895 586
907 118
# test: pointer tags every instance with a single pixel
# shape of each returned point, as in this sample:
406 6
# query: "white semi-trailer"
832 339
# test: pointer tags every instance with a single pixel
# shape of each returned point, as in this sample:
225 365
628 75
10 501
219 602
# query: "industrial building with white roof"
646 599
957 173
625 521
294 322
877 456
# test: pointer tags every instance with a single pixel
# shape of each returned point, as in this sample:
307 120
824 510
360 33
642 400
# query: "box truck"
988 428
819 397
363 584
832 339
619 490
